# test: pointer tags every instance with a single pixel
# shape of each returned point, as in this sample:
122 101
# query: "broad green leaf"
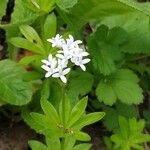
81 136
112 114
88 119
31 35
85 10
102 93
23 43
3 6
122 85
35 145
77 111
137 29
25 17
74 88
104 48
50 111
65 4
32 76
14 90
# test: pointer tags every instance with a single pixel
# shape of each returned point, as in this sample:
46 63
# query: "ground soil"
16 136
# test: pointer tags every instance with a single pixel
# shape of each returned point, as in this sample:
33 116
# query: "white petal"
56 75
50 40
58 36
45 62
54 44
63 78
85 61
83 67
60 51
85 53
78 42
50 57
53 64
71 38
60 56
66 71
48 74
45 67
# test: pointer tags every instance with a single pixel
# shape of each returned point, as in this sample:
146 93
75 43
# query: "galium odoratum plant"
64 123
69 50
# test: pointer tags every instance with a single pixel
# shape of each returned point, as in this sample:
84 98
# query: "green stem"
63 115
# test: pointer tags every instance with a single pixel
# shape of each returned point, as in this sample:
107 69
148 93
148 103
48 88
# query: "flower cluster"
69 49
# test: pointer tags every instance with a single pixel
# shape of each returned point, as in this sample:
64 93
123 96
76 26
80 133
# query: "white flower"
78 52
57 41
79 61
71 43
49 66
61 74
69 49
62 63
65 53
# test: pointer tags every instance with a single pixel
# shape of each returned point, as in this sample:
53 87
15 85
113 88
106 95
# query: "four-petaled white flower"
69 49
57 41
71 43
60 73
50 65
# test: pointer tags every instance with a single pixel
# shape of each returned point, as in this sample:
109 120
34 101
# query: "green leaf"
40 124
35 145
84 146
50 26
112 114
40 6
45 90
81 136
129 134
25 17
69 142
3 6
31 35
86 11
14 90
23 43
29 59
74 88
65 4
77 111
88 119
104 48
137 29
53 144
102 93
49 110
64 110
122 85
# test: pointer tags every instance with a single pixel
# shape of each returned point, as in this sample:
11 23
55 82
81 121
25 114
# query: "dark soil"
15 137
